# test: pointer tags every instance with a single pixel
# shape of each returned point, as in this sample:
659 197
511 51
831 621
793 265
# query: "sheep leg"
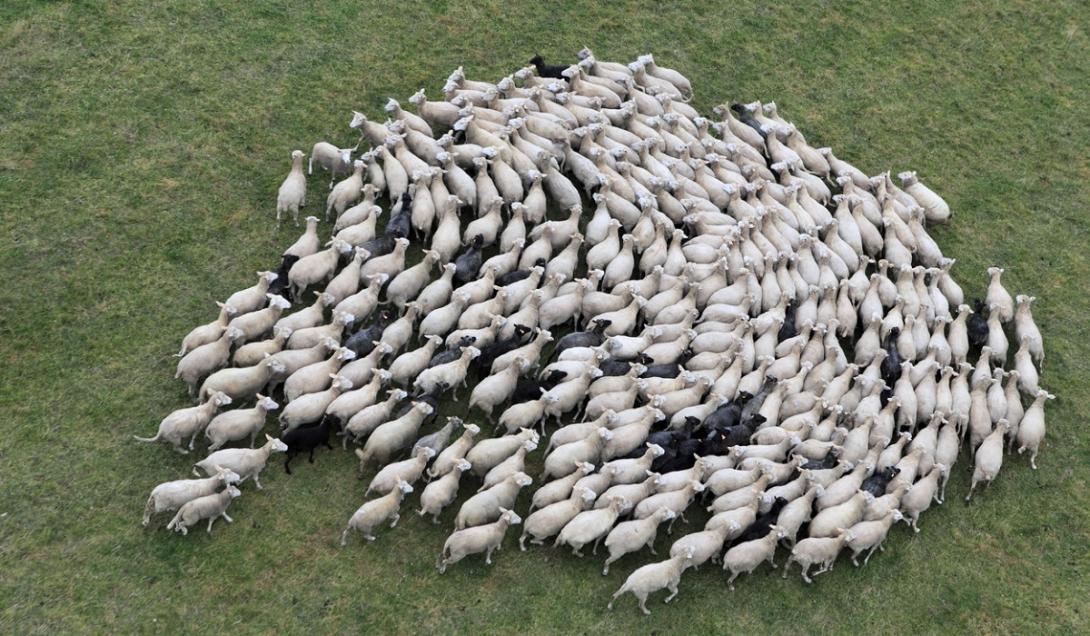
575 550
642 598
287 463
730 581
228 518
594 547
178 449
867 558
488 556
326 443
344 536
786 567
310 459
856 554
673 593
210 522
397 518
257 482
805 569
605 568
522 542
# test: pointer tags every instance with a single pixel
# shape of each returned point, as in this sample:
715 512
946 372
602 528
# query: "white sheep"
869 535
654 577
442 492
632 536
238 424
172 495
246 462
746 557
477 539
377 511
486 506
549 520
408 471
816 550
590 525
292 194
209 332
187 422
209 507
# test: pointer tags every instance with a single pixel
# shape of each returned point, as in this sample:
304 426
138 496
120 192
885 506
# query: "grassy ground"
141 144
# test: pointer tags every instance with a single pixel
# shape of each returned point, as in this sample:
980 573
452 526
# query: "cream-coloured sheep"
632 536
485 538
654 577
549 520
745 557
246 462
487 506
590 526
172 495
236 425
292 194
187 422
209 507
408 470
376 512
442 492
816 550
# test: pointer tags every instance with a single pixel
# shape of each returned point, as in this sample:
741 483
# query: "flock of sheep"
750 324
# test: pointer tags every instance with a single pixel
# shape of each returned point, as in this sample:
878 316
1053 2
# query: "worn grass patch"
141 144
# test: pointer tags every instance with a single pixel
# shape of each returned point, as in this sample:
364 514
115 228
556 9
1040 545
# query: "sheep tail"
174 523
147 439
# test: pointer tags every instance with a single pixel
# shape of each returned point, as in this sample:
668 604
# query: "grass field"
141 144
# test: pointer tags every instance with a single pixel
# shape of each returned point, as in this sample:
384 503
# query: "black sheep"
363 341
468 263
876 484
830 460
547 70
432 399
977 325
726 415
305 440
670 370
489 353
530 388
519 274
787 329
592 338
762 525
613 367
747 118
891 365
379 246
451 354
281 286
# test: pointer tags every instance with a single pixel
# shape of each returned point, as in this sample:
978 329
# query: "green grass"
141 144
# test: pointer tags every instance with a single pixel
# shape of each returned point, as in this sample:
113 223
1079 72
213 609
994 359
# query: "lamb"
209 507
188 422
632 536
316 377
241 384
442 492
208 332
292 194
349 404
238 424
204 360
816 550
485 538
245 462
252 353
376 512
408 471
487 506
653 577
514 464
590 525
551 519
308 242
870 535
677 500
172 495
